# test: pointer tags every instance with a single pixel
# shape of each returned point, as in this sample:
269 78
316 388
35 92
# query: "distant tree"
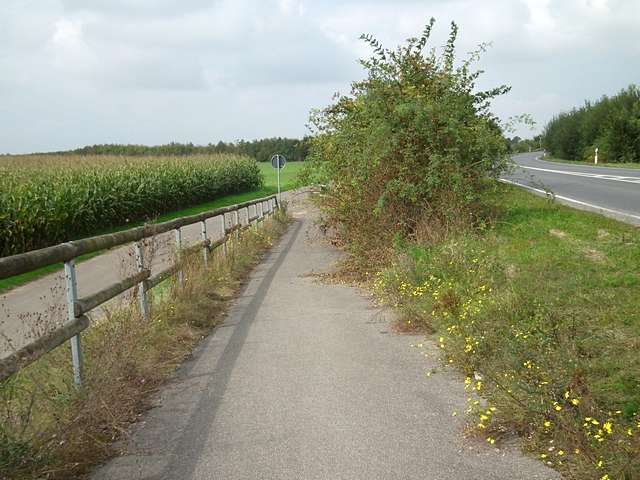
519 145
612 124
262 150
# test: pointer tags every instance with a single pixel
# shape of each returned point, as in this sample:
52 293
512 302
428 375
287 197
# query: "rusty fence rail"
77 308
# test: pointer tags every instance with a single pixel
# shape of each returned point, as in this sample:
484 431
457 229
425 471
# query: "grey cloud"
128 8
78 72
152 72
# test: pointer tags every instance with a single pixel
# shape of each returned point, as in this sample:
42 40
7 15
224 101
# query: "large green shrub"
413 141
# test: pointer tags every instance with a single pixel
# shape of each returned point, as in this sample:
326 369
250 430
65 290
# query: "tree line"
612 124
522 145
292 148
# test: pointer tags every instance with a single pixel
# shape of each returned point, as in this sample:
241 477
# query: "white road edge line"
573 200
597 176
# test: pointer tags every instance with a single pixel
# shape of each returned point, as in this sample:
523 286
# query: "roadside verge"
50 429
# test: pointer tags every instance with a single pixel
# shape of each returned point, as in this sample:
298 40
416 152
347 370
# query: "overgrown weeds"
545 326
545 334
48 429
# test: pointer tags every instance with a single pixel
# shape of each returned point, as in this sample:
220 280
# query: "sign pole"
279 179
278 162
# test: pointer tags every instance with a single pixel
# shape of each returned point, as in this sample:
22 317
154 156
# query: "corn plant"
45 200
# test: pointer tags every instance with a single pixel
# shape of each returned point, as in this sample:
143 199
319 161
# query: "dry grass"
50 430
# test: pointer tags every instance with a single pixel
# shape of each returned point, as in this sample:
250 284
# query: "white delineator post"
595 159
72 296
142 290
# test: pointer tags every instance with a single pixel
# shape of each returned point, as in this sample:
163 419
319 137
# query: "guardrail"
77 308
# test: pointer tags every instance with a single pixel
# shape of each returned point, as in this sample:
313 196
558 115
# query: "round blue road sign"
278 161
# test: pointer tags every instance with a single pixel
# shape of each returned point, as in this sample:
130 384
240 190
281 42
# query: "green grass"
591 164
544 304
288 181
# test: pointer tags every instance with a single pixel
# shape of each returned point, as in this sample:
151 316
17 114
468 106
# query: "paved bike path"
306 380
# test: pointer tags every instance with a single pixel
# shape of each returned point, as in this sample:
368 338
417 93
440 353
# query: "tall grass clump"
48 200
412 143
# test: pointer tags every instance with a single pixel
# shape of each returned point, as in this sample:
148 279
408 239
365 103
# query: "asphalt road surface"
611 191
306 380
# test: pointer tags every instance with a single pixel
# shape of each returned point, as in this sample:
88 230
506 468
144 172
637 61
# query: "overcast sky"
77 72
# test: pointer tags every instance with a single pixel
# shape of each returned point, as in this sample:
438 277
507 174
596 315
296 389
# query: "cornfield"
45 200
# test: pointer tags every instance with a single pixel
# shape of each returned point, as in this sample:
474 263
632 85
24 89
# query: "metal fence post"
72 296
205 248
256 214
224 235
236 222
142 287
178 256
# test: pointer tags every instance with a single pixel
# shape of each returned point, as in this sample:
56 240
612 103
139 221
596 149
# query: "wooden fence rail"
77 320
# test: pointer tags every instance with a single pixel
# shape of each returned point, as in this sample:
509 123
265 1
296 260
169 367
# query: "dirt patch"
595 255
557 233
